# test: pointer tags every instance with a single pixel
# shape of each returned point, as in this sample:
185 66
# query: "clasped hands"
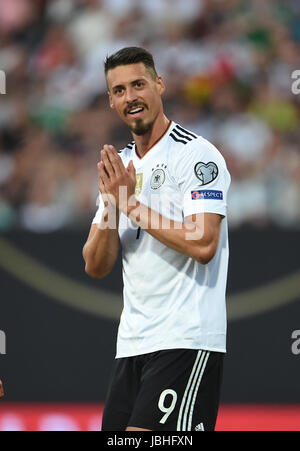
116 182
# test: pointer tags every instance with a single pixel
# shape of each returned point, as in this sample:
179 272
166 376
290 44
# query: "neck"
145 142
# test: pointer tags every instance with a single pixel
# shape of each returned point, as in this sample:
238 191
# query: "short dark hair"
131 55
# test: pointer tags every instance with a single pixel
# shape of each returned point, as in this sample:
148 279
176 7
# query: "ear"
111 103
161 85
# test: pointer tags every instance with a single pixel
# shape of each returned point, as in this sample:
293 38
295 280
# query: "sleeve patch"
207 194
206 173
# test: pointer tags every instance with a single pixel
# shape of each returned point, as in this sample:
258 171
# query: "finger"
101 186
116 161
103 175
104 194
107 163
101 169
131 168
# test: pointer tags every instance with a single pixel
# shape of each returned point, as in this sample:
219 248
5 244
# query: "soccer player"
163 200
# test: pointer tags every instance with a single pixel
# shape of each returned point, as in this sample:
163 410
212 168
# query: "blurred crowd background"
228 67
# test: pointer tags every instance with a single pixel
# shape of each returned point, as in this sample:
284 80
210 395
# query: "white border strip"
190 383
196 391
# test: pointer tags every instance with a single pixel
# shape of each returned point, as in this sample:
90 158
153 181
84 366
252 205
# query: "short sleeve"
98 216
203 179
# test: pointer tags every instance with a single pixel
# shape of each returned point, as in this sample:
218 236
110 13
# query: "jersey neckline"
154 144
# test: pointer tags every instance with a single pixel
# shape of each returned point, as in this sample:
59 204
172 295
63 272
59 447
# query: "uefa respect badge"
2 82
207 194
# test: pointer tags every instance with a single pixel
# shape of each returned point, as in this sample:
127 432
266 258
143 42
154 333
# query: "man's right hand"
1 389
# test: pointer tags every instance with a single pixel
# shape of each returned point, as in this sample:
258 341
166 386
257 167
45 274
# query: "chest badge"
158 176
139 184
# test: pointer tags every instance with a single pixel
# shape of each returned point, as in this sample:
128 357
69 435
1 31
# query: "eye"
119 91
139 84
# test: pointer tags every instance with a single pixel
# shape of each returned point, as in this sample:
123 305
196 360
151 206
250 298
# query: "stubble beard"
140 128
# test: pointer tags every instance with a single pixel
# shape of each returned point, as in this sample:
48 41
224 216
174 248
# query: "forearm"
195 238
101 250
185 237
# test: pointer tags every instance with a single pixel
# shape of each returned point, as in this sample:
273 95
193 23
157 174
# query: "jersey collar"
158 141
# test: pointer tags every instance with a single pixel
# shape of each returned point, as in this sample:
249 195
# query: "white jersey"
170 300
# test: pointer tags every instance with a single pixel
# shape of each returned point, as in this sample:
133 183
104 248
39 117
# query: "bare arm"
100 252
197 237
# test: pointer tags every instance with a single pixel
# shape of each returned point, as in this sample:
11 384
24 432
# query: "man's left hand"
118 181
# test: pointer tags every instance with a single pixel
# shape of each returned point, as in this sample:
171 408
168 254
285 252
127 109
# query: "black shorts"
172 390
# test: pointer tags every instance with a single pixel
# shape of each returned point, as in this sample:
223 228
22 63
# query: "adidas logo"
199 427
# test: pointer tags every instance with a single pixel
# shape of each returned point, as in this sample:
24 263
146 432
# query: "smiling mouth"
135 111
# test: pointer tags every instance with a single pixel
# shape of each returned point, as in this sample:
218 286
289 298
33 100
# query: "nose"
130 95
